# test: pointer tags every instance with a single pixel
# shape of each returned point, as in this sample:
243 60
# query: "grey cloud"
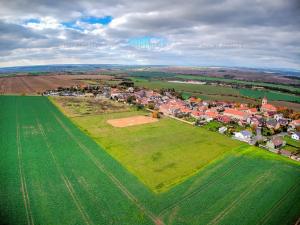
231 32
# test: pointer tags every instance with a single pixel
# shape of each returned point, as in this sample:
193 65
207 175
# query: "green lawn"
161 154
292 145
52 173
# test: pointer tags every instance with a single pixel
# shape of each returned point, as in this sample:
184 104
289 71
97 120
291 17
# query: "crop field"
52 173
233 81
160 154
272 95
209 92
198 89
32 84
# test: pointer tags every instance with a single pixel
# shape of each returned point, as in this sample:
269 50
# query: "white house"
244 135
296 136
222 130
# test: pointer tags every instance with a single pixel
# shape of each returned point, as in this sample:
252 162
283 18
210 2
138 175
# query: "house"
224 119
252 111
265 107
278 116
294 124
283 122
243 107
212 114
296 136
272 124
194 101
130 90
244 135
222 130
236 114
275 143
196 114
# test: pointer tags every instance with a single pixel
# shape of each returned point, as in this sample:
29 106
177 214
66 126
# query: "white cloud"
197 32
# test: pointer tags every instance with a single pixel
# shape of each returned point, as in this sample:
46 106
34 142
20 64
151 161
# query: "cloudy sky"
251 33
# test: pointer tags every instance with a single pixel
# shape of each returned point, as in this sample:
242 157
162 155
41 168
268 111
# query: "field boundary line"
118 184
64 178
204 187
265 218
233 204
24 190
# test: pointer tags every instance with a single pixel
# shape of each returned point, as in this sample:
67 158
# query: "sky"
245 33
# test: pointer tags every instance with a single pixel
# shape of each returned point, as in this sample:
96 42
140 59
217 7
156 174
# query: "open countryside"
66 177
161 154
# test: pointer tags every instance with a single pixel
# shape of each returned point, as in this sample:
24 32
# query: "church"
265 107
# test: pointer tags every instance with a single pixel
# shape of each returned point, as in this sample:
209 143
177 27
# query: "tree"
130 99
139 107
266 131
151 106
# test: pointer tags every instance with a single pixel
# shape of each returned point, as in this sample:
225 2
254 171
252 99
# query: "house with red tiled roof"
236 114
197 114
294 124
224 119
243 107
212 114
252 111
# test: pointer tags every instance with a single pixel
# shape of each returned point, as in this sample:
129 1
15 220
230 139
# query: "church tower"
264 101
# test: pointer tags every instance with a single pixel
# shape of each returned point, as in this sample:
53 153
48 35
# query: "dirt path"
24 190
64 178
118 184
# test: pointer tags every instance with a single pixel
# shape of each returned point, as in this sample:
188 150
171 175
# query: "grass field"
160 154
233 81
271 95
52 173
209 92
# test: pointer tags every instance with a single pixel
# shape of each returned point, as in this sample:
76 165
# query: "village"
264 125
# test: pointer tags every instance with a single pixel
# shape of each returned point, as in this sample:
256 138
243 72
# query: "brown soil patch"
131 121
33 84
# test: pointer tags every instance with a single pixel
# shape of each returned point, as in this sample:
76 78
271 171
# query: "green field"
209 92
271 95
233 81
52 173
160 154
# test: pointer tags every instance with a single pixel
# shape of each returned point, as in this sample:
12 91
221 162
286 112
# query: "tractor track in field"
24 190
118 184
66 181
243 195
202 188
278 203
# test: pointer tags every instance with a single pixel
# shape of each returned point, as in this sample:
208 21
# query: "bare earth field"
131 121
34 84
